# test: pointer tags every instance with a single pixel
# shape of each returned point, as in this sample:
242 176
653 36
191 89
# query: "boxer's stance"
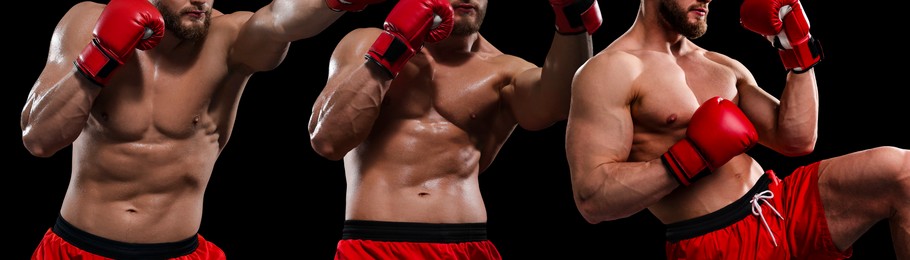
417 116
146 93
659 123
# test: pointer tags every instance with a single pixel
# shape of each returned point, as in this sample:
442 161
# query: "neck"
170 43
456 44
654 31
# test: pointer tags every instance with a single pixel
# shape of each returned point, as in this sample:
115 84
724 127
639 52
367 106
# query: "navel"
195 120
671 119
423 194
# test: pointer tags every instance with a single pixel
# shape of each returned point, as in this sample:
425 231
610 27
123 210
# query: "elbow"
589 215
797 152
326 148
36 147
797 148
596 213
534 126
542 122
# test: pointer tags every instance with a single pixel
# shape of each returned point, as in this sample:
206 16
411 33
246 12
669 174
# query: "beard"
677 18
467 27
192 32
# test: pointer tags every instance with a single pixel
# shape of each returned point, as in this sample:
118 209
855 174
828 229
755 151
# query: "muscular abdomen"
139 191
713 192
415 171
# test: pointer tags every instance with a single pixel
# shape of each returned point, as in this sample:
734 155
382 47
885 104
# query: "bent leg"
863 188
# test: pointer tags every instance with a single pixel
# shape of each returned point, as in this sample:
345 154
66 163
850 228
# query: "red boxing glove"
784 23
576 16
122 26
350 5
718 131
409 24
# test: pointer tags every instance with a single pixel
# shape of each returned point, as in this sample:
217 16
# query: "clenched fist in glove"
784 23
408 26
124 25
717 132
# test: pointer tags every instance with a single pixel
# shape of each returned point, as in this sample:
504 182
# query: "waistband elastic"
719 219
120 250
414 232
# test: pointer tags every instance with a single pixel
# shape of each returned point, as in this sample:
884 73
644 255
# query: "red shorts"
65 241
750 227
405 240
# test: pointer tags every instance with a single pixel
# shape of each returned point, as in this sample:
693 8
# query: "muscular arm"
599 140
60 101
265 36
539 97
788 126
349 104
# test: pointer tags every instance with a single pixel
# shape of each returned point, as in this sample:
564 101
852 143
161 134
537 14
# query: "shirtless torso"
145 144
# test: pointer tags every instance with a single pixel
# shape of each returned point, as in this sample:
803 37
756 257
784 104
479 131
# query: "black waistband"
719 219
120 250
414 232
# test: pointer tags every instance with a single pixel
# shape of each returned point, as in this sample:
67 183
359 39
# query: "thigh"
859 189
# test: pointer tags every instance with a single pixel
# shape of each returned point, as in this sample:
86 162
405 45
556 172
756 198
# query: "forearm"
618 190
542 95
344 116
567 53
798 114
54 116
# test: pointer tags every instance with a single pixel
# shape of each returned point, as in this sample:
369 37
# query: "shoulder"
359 39
225 28
232 21
216 13
509 62
85 12
87 6
76 25
486 51
614 63
611 75
734 65
362 34
720 58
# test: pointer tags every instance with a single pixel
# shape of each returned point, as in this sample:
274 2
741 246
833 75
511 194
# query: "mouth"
464 8
701 12
195 14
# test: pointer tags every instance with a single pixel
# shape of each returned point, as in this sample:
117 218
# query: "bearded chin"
172 24
461 29
194 32
676 18
693 31
468 27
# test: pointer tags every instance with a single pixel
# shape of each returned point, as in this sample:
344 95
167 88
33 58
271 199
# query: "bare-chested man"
417 123
659 123
146 92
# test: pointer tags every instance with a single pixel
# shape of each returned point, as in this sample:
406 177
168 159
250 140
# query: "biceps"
760 107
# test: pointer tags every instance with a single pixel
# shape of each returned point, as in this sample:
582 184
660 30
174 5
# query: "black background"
291 204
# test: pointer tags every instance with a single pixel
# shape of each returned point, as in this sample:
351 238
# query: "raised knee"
899 163
895 160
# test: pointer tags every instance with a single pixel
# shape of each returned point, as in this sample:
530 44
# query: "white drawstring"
756 209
